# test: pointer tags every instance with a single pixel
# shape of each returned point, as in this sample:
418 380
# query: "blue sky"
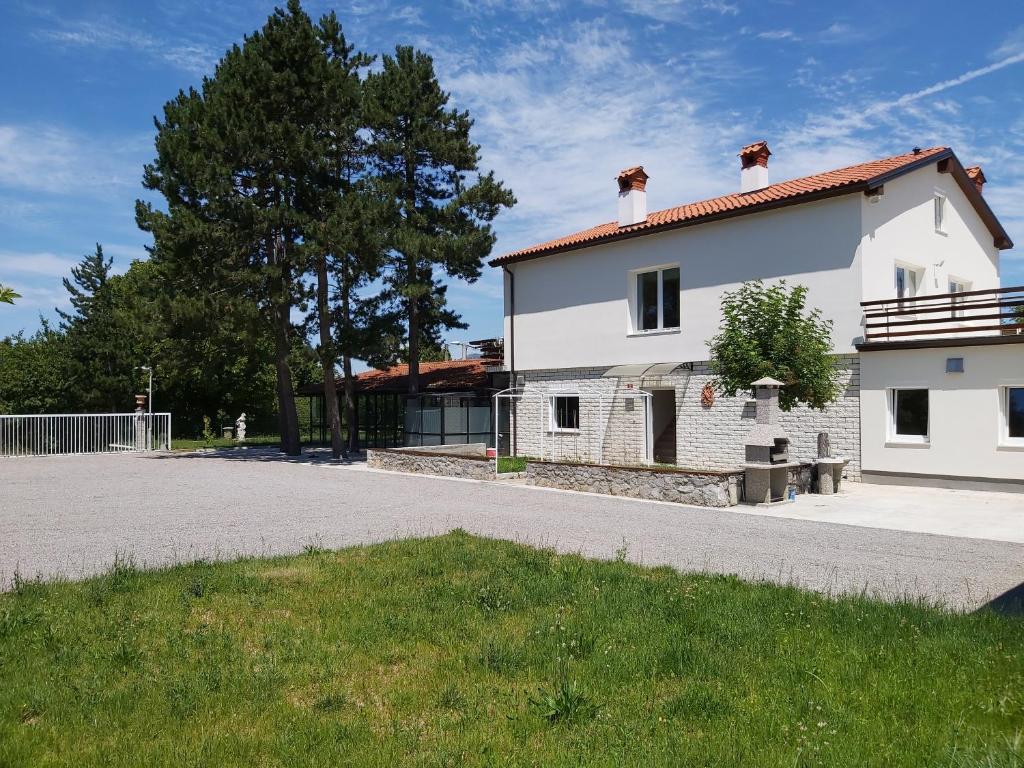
564 95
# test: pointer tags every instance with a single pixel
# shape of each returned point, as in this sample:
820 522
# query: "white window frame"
909 269
553 412
1005 441
940 205
633 328
965 286
894 438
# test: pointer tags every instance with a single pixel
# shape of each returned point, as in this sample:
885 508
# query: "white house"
606 329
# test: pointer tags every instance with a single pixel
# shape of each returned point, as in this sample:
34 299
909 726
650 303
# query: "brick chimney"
976 175
632 196
754 166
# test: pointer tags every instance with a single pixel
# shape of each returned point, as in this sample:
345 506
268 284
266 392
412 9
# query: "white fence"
47 435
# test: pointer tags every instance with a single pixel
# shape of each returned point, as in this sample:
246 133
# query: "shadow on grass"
1011 602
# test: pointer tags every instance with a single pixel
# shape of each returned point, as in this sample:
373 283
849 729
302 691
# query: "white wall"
901 227
964 411
572 309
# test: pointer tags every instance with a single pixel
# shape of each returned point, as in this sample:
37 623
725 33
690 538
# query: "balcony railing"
992 312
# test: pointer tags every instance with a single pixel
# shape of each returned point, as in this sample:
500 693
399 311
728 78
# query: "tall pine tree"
423 154
234 163
100 364
334 230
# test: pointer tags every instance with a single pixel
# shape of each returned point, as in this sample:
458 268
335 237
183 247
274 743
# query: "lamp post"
149 394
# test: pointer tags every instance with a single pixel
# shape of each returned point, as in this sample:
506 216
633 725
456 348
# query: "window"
909 415
906 282
565 413
940 213
957 286
1013 410
657 299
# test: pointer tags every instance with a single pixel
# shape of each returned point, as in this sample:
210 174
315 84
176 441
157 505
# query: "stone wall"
713 438
707 489
430 463
706 437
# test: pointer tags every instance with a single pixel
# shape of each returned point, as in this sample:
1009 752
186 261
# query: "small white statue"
240 428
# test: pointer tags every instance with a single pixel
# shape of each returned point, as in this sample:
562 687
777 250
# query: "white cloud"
777 34
558 132
108 34
46 158
41 263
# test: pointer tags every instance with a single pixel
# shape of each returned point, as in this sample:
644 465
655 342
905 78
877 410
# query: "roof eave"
809 197
1000 238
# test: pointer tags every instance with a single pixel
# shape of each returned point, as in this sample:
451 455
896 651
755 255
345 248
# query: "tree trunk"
288 418
414 345
350 404
327 357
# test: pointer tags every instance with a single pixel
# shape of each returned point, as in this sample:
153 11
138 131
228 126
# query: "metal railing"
992 312
73 433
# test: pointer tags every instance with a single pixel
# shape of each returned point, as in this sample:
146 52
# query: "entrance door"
663 425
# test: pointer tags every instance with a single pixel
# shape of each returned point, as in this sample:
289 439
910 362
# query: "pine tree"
335 229
423 153
235 163
100 365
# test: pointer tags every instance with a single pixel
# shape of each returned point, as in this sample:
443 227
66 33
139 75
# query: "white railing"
68 433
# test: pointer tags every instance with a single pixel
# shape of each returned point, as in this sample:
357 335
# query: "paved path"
69 516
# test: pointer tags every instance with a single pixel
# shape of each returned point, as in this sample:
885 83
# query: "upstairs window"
957 286
940 212
565 413
907 280
657 299
1013 410
908 410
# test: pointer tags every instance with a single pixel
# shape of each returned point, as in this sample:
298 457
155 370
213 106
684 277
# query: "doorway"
663 425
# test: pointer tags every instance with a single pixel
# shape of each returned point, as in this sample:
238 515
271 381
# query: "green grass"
512 464
463 651
220 442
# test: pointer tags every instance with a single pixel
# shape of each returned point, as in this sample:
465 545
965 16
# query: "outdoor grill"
767 448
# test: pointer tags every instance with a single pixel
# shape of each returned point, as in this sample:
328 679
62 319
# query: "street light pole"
149 396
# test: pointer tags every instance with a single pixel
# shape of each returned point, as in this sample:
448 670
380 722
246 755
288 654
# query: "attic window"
940 212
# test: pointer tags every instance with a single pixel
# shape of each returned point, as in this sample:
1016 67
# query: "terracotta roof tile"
750 202
446 376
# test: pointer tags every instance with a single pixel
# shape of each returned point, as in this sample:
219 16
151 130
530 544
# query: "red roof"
805 189
446 376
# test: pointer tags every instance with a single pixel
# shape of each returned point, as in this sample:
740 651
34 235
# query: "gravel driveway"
70 515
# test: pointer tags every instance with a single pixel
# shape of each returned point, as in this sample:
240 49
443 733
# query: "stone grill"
766 448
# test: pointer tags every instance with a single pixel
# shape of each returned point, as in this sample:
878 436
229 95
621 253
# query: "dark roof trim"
1001 239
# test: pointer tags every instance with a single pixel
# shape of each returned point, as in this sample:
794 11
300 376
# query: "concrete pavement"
69 517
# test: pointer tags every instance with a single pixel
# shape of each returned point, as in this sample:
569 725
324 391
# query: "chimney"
632 196
976 175
754 166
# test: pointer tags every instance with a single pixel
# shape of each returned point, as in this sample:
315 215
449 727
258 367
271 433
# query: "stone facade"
431 463
709 438
707 489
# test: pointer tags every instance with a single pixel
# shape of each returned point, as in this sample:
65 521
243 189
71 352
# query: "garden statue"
240 428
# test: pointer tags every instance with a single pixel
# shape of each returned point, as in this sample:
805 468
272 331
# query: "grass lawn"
220 442
464 651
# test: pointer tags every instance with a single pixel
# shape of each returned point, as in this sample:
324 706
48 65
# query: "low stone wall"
430 463
700 487
474 450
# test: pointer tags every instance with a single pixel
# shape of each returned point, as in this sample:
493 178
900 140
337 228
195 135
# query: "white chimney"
754 166
632 196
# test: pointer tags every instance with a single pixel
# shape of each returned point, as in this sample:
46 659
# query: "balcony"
993 313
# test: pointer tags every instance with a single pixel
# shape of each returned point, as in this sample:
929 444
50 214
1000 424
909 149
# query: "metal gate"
70 433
